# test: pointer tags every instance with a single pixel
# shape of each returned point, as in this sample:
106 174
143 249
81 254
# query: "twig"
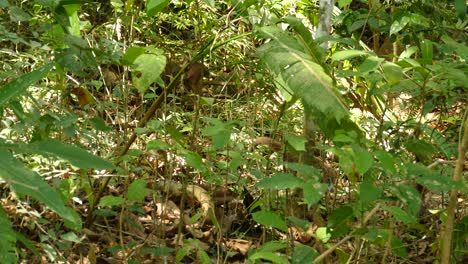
452 205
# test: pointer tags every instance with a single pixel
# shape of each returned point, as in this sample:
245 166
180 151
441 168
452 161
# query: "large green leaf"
19 85
146 69
280 181
75 155
270 219
286 56
155 6
8 238
26 182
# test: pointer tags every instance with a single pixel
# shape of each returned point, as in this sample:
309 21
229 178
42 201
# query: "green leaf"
398 247
157 144
155 6
363 159
369 193
422 149
8 238
280 181
343 3
286 56
401 215
387 160
272 246
19 85
399 24
270 219
313 191
193 159
323 234
99 124
131 55
269 256
410 196
17 14
348 54
339 216
137 191
392 73
370 64
304 254
460 7
111 200
210 3
146 69
26 182
426 51
76 156
73 26
203 257
437 182
296 142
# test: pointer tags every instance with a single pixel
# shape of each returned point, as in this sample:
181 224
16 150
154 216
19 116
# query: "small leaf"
270 219
111 201
137 191
280 181
323 234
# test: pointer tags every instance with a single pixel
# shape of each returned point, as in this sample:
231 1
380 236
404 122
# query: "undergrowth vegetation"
233 131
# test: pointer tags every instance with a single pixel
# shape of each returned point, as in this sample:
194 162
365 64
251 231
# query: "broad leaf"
303 254
137 191
26 182
110 200
76 156
280 181
19 85
270 219
313 192
401 215
146 69
286 56
155 6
